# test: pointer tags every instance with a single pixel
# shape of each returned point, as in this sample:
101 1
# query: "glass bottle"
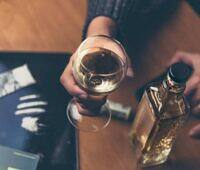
162 110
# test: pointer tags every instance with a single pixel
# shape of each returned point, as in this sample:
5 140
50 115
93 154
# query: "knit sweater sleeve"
114 9
120 10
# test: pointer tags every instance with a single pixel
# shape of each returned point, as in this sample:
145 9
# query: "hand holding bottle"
192 90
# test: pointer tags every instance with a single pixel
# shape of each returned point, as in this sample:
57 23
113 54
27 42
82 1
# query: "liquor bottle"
163 109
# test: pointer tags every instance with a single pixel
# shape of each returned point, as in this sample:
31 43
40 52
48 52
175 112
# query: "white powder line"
30 111
30 124
28 97
42 125
11 168
31 104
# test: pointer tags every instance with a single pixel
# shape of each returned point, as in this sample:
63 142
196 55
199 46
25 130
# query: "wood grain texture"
55 25
41 25
111 148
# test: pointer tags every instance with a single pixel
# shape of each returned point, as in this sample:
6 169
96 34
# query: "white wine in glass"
99 67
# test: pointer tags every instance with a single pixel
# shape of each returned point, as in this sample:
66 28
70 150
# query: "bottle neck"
169 90
172 86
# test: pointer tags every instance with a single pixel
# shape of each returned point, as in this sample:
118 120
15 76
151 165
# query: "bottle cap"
180 72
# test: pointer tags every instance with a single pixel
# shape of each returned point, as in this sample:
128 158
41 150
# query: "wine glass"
99 66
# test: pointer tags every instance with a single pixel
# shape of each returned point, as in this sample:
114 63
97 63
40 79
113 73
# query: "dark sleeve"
121 10
115 9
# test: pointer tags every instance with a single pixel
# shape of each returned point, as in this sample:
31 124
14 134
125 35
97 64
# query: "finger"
87 111
192 84
130 72
90 106
181 56
91 103
69 83
196 110
84 111
195 132
194 97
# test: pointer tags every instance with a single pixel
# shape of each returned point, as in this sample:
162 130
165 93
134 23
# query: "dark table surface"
54 142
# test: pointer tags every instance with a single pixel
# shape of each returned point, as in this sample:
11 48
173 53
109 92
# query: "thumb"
195 131
191 84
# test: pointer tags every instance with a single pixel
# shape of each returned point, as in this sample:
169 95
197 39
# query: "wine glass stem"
91 105
88 123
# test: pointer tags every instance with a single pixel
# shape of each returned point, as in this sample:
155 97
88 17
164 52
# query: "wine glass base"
88 123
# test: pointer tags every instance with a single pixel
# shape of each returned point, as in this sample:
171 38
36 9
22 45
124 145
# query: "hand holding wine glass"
96 69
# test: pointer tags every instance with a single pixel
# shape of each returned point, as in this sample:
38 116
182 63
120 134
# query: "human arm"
109 17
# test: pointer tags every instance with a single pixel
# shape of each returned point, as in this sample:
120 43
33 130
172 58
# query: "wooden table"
111 148
47 25
55 25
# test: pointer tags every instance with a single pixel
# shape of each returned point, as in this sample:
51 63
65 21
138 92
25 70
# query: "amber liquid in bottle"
161 112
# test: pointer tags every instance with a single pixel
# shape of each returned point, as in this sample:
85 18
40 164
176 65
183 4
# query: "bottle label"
143 123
